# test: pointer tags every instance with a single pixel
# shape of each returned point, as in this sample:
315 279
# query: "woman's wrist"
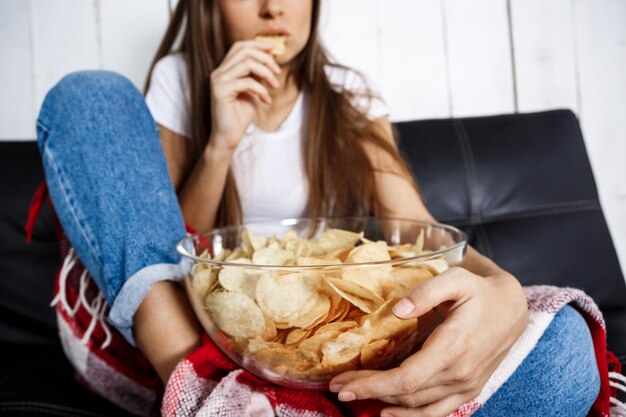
221 147
214 152
512 294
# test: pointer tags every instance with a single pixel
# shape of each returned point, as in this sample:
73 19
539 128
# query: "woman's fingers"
451 285
421 398
342 379
439 408
250 43
234 88
250 67
249 51
413 375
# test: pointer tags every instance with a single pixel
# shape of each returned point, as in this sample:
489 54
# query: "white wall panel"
64 40
601 34
130 34
350 31
413 78
430 58
544 50
479 57
16 87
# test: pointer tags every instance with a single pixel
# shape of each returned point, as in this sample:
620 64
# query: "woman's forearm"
479 264
200 197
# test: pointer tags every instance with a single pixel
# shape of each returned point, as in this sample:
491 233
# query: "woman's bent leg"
558 378
108 179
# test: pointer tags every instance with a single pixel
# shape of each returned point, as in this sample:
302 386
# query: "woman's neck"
270 116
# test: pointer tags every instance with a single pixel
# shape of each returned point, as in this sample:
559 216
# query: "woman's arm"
165 326
486 312
239 86
199 186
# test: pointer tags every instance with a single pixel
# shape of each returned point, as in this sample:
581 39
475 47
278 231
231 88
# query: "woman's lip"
275 32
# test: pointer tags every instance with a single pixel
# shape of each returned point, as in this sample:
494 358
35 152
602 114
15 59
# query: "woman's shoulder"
170 66
364 93
346 78
167 98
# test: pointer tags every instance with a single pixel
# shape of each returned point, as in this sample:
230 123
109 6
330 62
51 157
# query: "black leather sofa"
519 185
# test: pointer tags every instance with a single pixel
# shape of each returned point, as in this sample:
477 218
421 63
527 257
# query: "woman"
231 116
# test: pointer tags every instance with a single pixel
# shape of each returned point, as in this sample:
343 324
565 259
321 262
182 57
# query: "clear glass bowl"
298 313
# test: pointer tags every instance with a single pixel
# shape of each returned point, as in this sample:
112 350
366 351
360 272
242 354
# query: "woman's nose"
271 8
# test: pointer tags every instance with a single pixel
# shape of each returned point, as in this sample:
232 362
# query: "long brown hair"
339 168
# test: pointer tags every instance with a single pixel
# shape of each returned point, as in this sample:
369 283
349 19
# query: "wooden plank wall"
430 58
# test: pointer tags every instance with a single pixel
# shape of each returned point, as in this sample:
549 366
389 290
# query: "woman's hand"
239 85
484 316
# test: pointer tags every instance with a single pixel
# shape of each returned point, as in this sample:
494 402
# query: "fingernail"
403 308
346 396
335 387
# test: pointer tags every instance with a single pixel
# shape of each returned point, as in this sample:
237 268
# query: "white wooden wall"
430 58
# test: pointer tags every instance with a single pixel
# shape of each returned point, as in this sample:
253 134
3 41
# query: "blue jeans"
558 378
108 180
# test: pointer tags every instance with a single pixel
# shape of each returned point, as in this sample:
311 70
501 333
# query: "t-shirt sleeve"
366 96
168 98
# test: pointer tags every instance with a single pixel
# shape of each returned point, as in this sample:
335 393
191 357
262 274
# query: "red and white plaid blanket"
207 383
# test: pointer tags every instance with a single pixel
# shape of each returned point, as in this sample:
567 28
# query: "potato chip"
203 279
205 254
336 239
269 332
406 277
238 279
315 342
335 305
222 255
314 316
436 265
254 345
368 276
252 240
385 324
345 350
363 298
377 354
272 256
237 254
297 335
300 247
340 254
401 251
277 42
338 326
286 298
315 260
236 314
285 360
344 311
369 252
418 248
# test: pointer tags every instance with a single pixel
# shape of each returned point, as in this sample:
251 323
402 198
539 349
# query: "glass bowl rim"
180 248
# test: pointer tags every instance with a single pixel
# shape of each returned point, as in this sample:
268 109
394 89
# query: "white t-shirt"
268 166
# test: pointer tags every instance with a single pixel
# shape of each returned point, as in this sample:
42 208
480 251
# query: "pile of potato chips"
311 323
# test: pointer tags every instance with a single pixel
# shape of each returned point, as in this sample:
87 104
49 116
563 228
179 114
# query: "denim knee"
583 385
558 378
84 94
